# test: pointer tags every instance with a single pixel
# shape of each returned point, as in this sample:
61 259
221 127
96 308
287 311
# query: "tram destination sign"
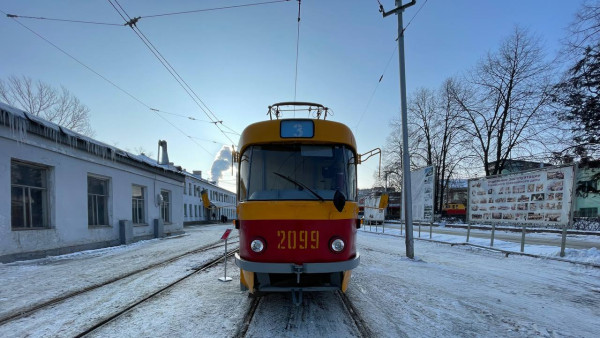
535 197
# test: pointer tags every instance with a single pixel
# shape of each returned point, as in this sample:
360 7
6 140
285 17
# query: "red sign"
226 234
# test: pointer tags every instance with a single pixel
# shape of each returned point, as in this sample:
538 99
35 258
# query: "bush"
586 224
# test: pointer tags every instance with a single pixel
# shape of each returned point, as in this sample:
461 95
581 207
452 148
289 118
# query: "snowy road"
445 291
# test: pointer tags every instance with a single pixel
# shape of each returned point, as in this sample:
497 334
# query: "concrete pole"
406 190
410 251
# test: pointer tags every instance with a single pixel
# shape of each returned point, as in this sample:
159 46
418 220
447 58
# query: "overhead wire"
376 86
297 53
184 85
107 80
414 16
214 9
145 16
388 63
180 115
133 21
62 20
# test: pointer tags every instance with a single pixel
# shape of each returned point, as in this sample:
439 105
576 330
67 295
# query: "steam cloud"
222 162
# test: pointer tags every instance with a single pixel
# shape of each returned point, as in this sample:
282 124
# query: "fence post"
468 231
493 231
430 228
523 239
563 242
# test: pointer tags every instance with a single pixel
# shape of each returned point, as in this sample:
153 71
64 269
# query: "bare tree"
577 95
505 103
43 100
437 135
586 27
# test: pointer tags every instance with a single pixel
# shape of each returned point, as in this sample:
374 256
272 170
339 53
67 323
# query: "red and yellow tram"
297 204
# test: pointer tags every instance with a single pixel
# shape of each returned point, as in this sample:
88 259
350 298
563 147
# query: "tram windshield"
297 172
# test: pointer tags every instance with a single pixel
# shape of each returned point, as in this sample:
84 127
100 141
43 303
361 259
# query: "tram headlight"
257 245
337 245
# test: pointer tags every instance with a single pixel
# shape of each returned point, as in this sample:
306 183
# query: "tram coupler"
297 296
297 269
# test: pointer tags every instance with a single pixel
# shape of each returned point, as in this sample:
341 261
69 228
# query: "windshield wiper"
301 185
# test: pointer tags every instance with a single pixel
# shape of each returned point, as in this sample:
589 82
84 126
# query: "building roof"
22 123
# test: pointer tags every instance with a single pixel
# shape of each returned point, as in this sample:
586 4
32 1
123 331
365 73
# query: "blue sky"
241 60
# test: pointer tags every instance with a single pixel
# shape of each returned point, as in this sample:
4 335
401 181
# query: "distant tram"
456 210
297 207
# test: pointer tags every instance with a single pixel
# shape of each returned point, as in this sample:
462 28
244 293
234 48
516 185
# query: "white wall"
228 209
67 187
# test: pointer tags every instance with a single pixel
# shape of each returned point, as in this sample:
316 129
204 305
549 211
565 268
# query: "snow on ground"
465 291
35 281
445 291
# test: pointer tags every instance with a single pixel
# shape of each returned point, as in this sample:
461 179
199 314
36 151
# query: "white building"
222 202
70 193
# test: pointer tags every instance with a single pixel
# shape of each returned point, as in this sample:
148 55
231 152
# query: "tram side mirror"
339 200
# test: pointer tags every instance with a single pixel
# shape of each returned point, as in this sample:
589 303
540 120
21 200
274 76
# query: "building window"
191 215
185 210
138 205
29 195
165 207
97 201
190 189
196 210
588 212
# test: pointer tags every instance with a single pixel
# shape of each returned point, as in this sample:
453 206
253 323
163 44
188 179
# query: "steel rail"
243 329
360 323
118 314
36 307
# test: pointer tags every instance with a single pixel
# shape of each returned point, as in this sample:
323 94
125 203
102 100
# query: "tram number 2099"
298 239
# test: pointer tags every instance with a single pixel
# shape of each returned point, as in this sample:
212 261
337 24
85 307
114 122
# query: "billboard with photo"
533 197
422 183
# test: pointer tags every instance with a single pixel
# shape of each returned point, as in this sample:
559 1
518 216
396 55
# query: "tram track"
127 309
360 323
243 328
29 310
320 303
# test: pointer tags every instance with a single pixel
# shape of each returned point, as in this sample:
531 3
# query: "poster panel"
540 197
422 185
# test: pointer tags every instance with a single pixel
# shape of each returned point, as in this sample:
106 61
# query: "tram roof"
269 132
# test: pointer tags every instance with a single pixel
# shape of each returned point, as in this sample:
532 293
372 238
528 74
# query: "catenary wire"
376 86
62 20
107 80
168 67
388 63
145 16
297 52
213 9
411 19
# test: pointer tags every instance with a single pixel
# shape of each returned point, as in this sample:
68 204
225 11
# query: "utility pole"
410 248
